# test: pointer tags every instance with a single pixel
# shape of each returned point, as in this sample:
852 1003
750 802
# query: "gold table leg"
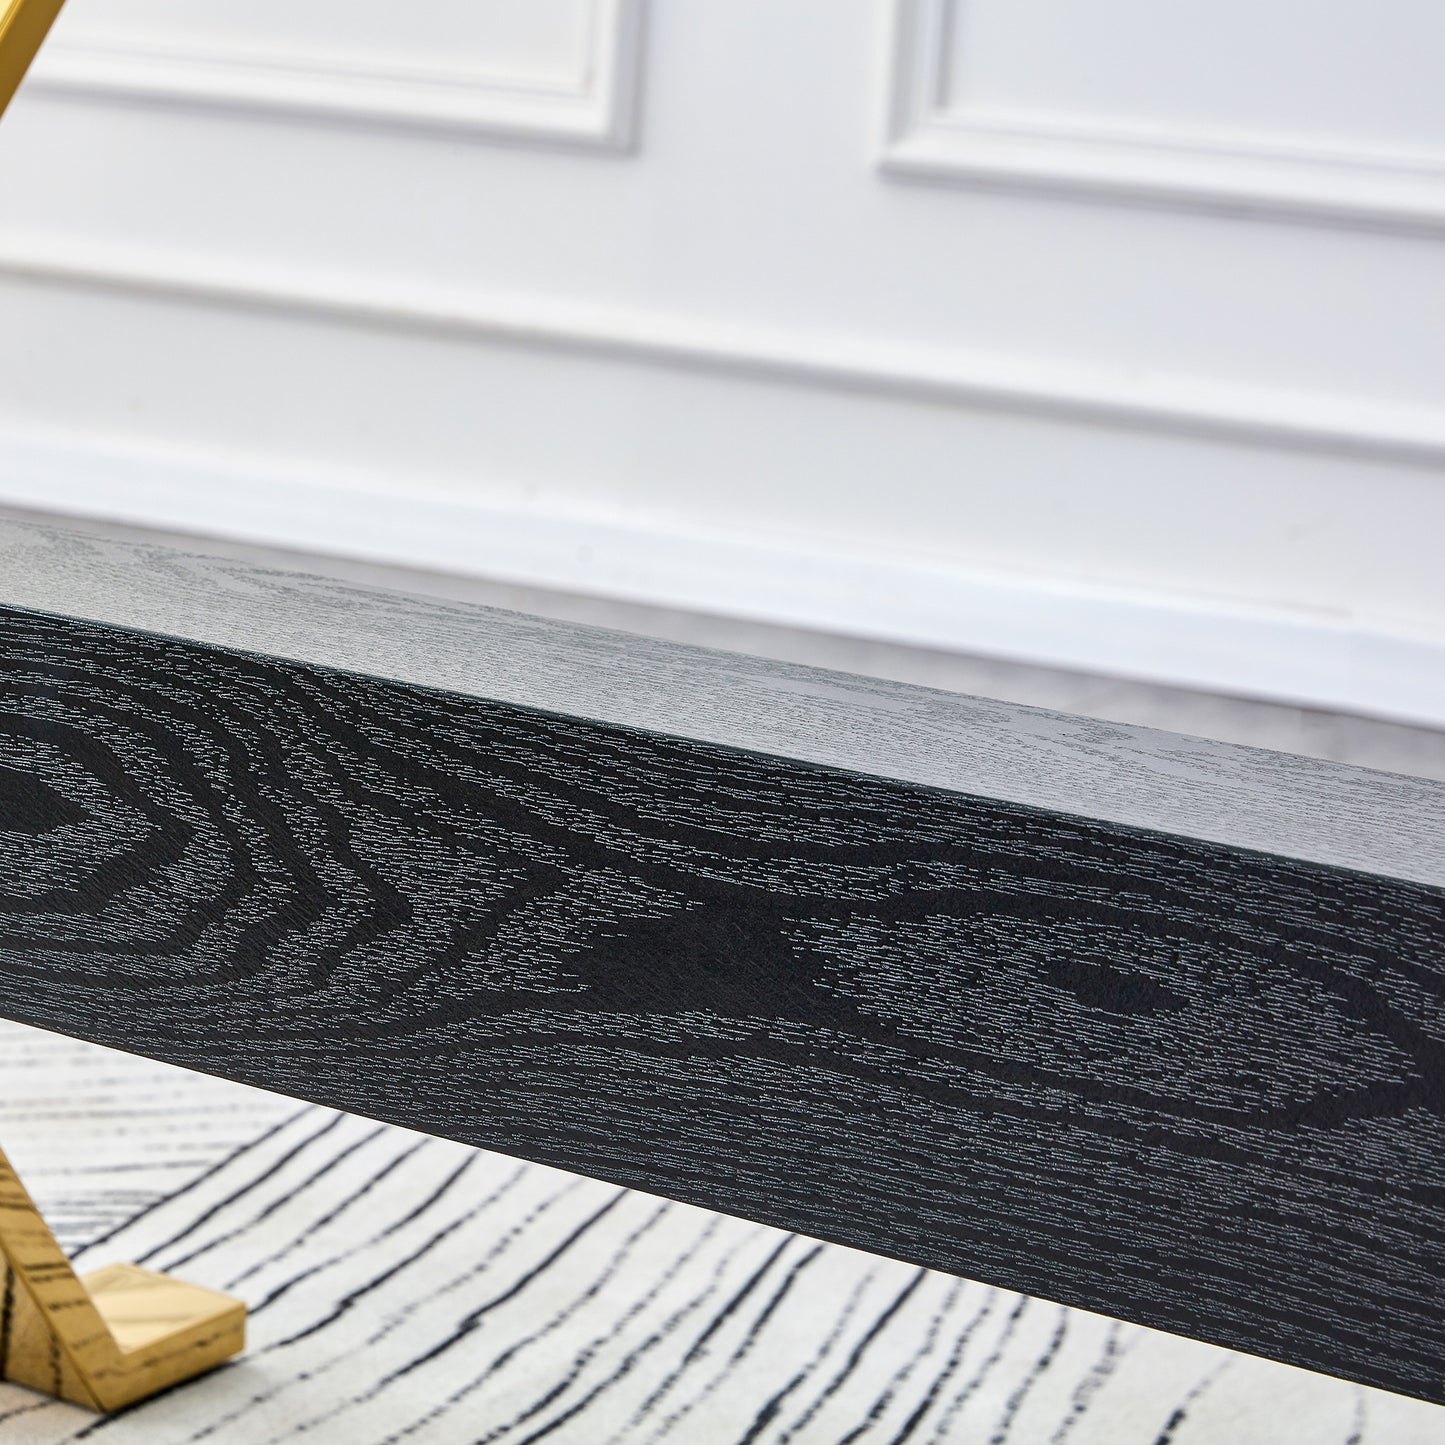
24 24
106 1339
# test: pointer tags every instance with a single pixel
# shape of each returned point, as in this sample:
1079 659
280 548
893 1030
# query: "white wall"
1101 333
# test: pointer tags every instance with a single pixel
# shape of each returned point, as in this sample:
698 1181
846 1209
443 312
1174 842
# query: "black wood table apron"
1131 1021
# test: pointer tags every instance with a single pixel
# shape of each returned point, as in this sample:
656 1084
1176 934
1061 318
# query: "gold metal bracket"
24 24
107 1339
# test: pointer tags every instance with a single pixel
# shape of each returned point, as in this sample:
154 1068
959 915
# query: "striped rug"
408 1289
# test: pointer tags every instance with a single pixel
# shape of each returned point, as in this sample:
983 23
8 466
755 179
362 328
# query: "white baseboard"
1353 665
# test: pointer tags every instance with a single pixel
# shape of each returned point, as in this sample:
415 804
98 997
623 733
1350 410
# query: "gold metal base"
110 1338
24 24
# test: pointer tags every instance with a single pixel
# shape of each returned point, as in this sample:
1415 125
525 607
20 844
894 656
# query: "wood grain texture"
1175 1082
1245 797
405 1288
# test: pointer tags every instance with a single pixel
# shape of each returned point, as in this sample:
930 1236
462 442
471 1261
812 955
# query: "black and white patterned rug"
407 1289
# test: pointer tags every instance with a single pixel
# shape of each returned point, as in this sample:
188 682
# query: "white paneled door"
1105 333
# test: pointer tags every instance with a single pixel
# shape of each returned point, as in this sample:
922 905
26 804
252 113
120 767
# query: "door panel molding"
928 135
595 107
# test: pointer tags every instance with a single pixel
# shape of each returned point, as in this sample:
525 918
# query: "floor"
405 1288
